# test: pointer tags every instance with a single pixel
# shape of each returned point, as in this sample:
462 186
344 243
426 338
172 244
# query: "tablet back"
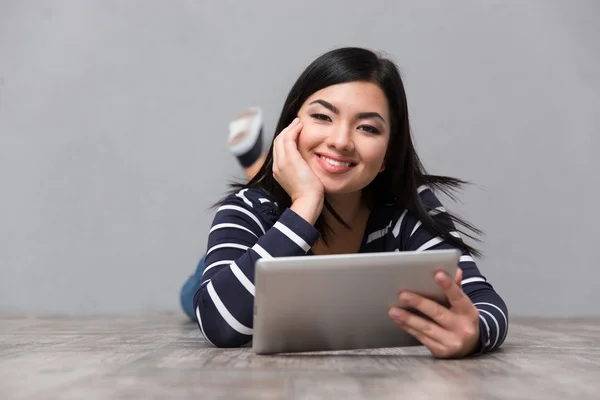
340 302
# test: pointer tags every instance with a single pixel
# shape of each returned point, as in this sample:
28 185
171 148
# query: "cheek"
307 140
302 144
374 154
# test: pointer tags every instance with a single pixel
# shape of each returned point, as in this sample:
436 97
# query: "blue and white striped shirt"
249 226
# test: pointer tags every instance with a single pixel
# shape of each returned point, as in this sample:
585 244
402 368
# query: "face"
346 130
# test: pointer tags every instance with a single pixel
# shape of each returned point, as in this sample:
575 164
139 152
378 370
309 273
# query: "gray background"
113 120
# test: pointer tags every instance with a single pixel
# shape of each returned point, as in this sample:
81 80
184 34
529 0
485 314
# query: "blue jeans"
189 289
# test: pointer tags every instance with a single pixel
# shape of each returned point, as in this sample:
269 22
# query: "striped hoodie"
248 226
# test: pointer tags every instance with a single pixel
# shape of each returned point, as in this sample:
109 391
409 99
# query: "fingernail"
406 298
395 313
296 120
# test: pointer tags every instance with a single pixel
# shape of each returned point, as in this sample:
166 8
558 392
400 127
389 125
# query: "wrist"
309 208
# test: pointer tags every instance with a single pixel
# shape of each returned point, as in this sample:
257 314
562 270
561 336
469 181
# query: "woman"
342 176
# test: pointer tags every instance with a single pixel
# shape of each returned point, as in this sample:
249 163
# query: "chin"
337 190
338 187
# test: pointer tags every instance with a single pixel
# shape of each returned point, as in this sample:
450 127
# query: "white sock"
245 136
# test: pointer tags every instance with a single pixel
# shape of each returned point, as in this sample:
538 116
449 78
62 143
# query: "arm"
237 238
493 313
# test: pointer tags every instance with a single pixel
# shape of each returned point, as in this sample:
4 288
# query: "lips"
335 164
336 159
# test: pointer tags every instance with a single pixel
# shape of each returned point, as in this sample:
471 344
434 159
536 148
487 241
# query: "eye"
321 117
370 129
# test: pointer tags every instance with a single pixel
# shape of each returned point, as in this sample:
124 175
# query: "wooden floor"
163 356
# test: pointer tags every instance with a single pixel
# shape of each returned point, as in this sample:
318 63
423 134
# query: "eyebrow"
334 109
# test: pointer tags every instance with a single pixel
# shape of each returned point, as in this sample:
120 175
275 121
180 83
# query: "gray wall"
113 119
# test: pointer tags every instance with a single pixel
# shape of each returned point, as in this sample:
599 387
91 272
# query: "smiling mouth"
336 163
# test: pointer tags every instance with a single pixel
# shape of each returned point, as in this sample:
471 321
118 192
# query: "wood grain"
164 356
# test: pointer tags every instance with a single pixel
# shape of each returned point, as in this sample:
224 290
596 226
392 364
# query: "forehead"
353 97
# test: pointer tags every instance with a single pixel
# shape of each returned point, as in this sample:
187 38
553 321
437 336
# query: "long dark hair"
403 174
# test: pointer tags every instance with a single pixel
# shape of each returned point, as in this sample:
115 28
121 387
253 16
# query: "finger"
430 308
293 130
281 151
437 349
290 140
278 153
285 132
458 277
454 293
421 325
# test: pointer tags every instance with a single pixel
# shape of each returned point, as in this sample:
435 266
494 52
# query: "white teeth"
335 162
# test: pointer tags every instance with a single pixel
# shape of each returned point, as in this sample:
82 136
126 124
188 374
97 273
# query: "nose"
340 138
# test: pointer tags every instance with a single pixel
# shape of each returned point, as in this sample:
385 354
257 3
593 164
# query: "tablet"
341 302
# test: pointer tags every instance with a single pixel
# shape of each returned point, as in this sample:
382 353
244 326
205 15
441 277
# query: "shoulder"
397 222
428 197
251 197
255 201
395 212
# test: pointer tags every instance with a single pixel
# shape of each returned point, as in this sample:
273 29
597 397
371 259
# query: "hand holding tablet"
449 332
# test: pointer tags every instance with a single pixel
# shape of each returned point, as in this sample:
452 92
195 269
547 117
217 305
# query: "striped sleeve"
237 239
411 235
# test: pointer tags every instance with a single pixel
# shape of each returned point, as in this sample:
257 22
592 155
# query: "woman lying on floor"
341 166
